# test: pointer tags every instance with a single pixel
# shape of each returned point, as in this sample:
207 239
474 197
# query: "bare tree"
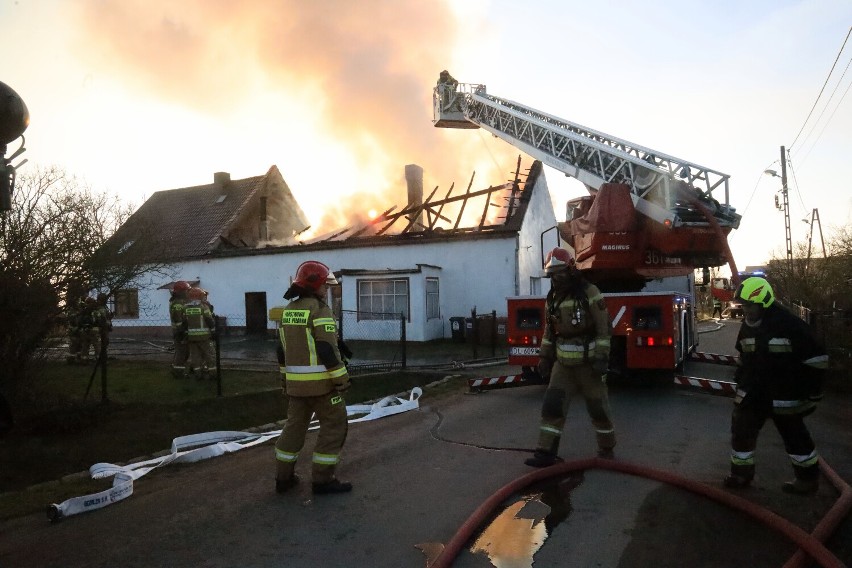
50 250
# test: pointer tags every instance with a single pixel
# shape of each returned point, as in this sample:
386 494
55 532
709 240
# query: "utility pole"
814 219
786 208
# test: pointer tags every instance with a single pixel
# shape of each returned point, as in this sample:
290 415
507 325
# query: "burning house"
439 255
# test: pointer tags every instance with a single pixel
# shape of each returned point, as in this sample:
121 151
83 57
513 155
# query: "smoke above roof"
364 69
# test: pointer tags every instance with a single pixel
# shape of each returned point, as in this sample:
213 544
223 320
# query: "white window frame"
433 298
370 289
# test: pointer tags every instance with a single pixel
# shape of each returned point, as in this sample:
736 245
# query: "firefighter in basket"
575 355
315 377
780 378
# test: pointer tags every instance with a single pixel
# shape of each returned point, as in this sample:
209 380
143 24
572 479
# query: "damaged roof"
443 216
190 222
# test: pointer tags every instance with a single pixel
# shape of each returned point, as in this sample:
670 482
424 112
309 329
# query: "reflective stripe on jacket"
304 323
199 321
781 361
577 332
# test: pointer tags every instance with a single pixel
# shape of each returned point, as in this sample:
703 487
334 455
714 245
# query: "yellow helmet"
756 290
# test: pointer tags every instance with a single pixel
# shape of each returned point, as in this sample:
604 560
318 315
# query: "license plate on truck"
521 351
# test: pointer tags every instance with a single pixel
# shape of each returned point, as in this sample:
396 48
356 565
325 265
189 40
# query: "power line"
753 191
823 87
831 116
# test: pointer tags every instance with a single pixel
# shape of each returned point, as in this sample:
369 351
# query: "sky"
137 96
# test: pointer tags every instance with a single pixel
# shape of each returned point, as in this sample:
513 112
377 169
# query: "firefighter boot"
284 485
542 458
801 486
333 486
736 481
606 453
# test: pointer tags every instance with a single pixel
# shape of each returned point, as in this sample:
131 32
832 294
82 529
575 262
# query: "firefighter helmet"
312 274
558 259
756 290
181 286
196 293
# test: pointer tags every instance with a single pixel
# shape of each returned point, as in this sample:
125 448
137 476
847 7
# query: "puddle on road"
520 530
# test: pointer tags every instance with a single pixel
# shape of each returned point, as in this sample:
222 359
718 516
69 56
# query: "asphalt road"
419 475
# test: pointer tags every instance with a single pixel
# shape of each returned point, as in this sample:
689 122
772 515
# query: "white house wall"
473 273
539 227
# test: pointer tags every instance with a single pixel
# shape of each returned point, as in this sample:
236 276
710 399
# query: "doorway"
255 312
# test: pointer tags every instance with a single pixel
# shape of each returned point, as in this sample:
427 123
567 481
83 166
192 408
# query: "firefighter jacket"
308 350
199 322
101 318
578 329
74 317
781 361
176 307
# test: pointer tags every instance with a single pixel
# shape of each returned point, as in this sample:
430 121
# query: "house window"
433 307
382 299
127 303
535 286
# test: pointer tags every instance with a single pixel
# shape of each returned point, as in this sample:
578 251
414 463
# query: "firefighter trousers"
181 348
748 418
200 356
330 410
565 382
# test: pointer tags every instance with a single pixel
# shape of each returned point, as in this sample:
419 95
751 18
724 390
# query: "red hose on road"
809 543
825 528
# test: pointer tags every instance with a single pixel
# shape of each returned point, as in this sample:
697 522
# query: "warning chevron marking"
479 384
721 387
714 358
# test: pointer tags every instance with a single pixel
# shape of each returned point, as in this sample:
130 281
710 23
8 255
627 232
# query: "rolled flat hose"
807 543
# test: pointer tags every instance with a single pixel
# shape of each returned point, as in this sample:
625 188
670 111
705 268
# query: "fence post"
474 331
402 337
493 333
218 364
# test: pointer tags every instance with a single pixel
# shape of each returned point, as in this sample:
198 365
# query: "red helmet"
558 259
312 274
181 286
196 293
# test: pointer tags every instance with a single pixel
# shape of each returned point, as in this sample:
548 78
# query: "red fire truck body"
651 330
649 221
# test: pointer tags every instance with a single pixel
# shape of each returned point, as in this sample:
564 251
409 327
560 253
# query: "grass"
67 432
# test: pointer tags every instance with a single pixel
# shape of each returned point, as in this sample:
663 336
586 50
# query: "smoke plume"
369 66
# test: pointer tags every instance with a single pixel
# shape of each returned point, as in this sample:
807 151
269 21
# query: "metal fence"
834 329
377 341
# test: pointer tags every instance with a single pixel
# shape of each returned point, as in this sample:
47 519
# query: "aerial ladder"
681 225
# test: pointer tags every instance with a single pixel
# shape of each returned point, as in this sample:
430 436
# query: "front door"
256 312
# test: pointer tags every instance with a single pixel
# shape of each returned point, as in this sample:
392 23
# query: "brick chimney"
414 181
221 180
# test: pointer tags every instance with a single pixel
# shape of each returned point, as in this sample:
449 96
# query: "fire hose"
810 544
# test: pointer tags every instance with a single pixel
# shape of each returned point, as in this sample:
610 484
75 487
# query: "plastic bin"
457 328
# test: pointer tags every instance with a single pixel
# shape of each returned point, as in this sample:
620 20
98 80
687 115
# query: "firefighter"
177 302
574 354
315 380
90 334
73 316
200 326
447 86
103 321
717 308
779 377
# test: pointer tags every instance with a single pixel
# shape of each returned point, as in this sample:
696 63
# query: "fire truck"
649 221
